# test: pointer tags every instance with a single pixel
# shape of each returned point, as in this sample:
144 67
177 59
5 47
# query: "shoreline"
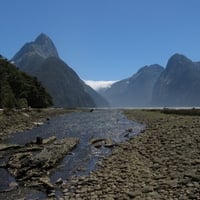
162 162
13 121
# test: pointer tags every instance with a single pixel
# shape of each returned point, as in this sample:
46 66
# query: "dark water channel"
85 126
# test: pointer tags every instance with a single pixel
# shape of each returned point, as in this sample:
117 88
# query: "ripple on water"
83 125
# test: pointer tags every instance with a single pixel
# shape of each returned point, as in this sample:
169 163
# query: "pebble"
160 163
157 164
147 189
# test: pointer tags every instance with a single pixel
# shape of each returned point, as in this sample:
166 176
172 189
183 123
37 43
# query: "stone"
46 182
147 189
49 140
59 181
39 140
133 194
13 185
65 190
9 146
34 166
52 194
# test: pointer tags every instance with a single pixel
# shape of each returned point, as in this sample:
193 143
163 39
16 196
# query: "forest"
19 90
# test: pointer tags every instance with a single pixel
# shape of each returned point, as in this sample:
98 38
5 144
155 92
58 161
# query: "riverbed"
86 126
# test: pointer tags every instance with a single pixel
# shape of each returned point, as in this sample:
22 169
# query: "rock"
109 143
99 142
13 185
34 166
196 162
46 183
25 114
129 130
49 140
65 191
38 123
160 163
190 185
154 195
52 194
147 189
9 146
39 140
59 181
193 177
196 184
133 194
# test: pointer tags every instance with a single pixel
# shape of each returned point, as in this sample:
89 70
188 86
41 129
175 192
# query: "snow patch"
98 85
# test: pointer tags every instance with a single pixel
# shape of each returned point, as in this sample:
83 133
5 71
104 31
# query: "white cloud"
98 85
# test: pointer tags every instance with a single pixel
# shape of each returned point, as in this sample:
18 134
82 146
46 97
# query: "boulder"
34 166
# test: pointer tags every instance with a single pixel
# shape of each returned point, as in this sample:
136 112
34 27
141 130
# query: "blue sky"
104 39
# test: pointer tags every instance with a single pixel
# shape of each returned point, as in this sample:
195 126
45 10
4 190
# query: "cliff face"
178 84
134 91
40 58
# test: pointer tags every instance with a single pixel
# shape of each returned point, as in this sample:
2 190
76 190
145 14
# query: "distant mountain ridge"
40 58
179 83
136 90
176 85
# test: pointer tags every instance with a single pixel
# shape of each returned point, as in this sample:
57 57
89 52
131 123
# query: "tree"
17 89
8 99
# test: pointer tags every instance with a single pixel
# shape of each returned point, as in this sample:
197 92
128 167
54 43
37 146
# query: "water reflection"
85 126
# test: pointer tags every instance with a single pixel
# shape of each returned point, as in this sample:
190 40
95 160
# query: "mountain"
33 53
134 91
40 58
98 99
17 89
62 83
178 84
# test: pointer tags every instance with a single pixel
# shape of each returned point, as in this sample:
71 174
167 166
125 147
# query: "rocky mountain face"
178 84
134 91
33 53
40 58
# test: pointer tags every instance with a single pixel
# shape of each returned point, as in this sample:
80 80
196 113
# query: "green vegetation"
19 90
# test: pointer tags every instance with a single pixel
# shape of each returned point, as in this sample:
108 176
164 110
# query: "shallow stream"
100 123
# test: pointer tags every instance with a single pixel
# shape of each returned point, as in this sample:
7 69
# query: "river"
101 123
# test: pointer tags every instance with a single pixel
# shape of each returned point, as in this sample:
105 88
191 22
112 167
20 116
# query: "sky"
104 40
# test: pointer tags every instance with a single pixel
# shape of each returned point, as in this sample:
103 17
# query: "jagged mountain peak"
41 38
46 46
150 68
42 47
40 58
178 61
178 56
179 83
136 90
